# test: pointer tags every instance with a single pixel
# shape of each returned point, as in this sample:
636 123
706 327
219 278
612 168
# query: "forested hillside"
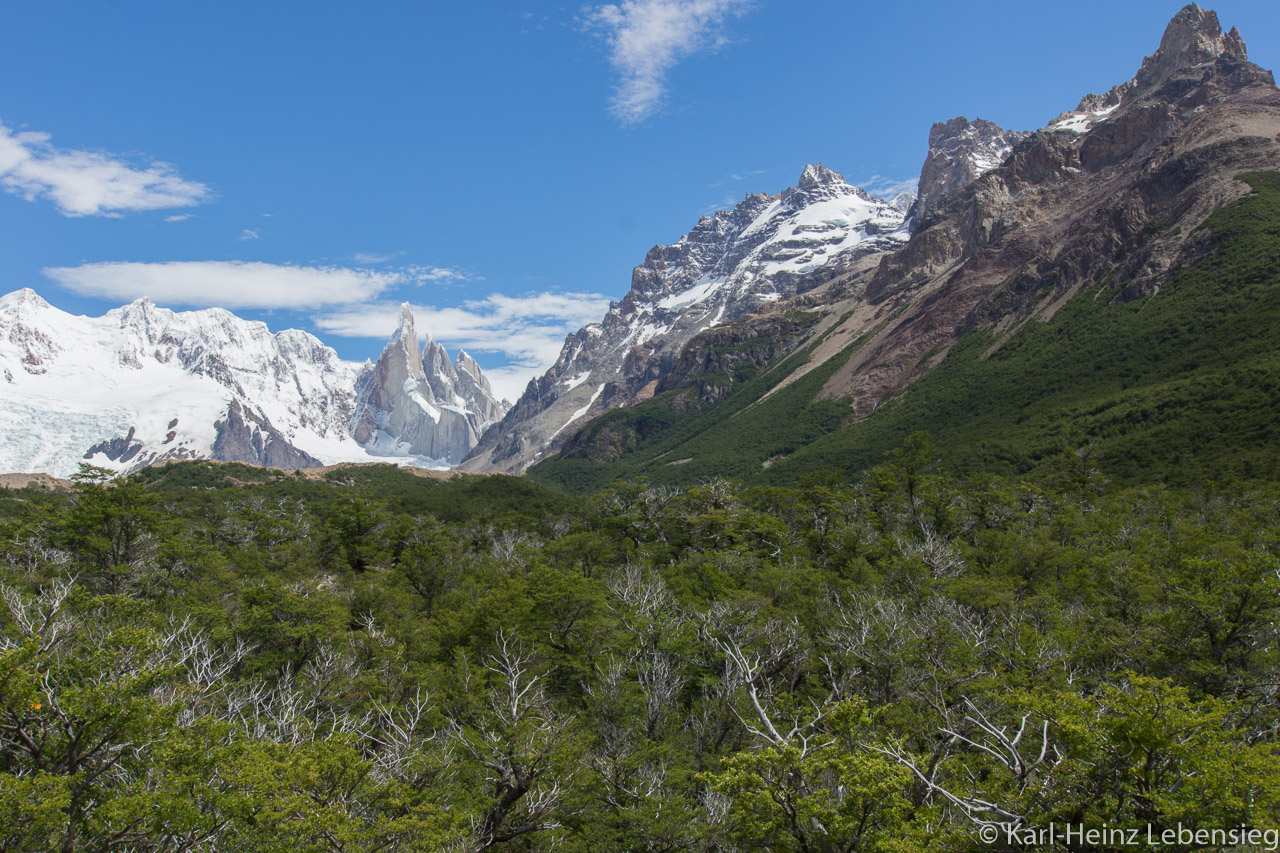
216 657
1175 387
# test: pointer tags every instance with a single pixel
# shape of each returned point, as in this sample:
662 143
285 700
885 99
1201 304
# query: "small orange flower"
35 706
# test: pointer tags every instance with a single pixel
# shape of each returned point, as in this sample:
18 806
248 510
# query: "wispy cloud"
882 187
178 217
727 202
249 234
740 176
439 275
647 38
529 329
371 258
87 183
227 284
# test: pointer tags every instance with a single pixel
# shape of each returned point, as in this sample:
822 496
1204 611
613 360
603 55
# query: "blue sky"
501 166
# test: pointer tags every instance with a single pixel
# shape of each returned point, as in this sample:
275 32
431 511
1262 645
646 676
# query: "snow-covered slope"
142 384
765 249
420 404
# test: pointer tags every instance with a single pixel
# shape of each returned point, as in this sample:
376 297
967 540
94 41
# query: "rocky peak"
405 341
818 183
960 152
903 201
138 309
417 403
405 329
438 370
1195 62
1192 38
768 248
816 174
20 325
467 368
399 364
464 363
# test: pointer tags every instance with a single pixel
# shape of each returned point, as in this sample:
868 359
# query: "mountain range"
143 384
1107 285
1036 289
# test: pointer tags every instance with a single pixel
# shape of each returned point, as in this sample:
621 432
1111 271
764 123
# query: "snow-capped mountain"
766 248
142 384
418 403
1058 228
979 185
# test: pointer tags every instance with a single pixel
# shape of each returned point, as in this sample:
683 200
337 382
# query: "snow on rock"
419 404
580 412
960 152
141 384
766 248
1081 121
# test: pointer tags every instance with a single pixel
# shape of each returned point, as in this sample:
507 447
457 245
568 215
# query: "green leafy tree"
821 793
111 525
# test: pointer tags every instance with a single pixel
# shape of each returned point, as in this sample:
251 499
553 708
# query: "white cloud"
882 187
86 183
647 38
249 234
180 217
227 284
529 330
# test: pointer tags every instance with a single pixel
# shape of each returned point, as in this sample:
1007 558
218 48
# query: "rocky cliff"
960 152
1111 192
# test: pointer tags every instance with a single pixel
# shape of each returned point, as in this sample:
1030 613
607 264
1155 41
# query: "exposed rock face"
1192 40
418 403
756 341
474 387
960 152
1113 192
1195 59
767 248
247 437
119 449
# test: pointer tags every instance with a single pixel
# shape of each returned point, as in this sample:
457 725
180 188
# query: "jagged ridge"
418 403
766 249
